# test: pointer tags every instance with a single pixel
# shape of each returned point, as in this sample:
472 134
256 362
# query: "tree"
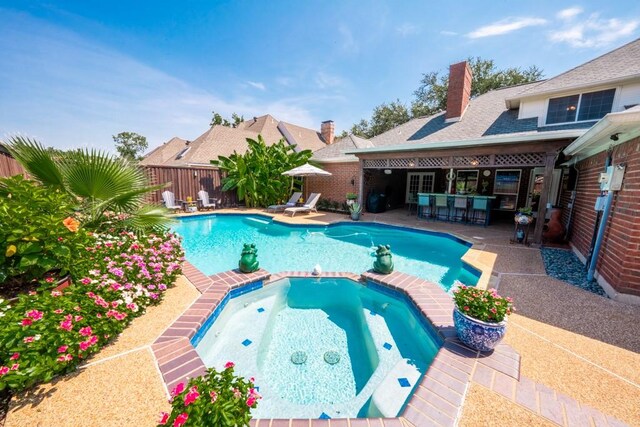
130 145
217 119
256 175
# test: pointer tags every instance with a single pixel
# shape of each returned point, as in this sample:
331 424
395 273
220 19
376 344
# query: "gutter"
602 131
483 141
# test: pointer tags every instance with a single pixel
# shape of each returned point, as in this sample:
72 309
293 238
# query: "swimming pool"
213 244
322 348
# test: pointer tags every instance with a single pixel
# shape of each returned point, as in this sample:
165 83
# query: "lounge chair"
290 204
206 202
310 206
170 201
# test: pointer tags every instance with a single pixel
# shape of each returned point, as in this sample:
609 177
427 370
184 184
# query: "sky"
74 73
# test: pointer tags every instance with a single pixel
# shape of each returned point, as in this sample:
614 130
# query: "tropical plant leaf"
39 162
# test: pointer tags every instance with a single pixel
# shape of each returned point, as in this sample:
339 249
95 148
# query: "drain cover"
331 357
298 357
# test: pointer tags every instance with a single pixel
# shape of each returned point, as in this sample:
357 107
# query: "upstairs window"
583 107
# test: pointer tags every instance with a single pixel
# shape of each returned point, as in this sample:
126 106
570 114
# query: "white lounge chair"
206 202
310 206
290 204
170 201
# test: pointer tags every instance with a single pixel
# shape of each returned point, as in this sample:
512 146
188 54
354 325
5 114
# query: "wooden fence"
187 181
9 166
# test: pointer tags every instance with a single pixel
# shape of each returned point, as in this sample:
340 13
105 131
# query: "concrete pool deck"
578 348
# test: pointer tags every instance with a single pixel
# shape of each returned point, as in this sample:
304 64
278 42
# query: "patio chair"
206 202
442 203
460 208
170 201
308 207
290 204
479 208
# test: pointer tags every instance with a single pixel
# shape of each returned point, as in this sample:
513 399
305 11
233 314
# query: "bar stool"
425 207
460 208
479 210
442 202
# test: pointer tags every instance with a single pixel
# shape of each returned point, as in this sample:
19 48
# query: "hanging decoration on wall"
451 176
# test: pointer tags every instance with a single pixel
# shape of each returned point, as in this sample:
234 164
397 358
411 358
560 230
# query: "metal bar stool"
460 208
479 211
442 202
425 206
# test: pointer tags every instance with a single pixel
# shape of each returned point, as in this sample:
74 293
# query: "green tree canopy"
431 96
217 119
130 145
256 175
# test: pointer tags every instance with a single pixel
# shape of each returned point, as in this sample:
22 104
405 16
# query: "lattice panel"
401 163
524 159
471 161
375 163
432 162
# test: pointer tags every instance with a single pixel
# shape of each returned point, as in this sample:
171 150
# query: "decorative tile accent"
404 382
387 346
260 310
247 342
324 416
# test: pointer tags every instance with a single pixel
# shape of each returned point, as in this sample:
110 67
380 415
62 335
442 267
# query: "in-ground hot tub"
321 347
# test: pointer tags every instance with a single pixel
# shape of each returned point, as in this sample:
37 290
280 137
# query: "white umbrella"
306 170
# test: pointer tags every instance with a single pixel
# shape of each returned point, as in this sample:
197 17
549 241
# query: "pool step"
395 388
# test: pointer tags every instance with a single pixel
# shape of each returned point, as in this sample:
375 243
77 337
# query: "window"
583 107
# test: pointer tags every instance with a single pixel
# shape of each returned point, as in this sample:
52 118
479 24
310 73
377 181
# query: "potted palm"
480 317
355 210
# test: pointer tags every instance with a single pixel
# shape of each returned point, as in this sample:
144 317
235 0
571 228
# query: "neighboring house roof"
336 151
485 119
618 65
223 141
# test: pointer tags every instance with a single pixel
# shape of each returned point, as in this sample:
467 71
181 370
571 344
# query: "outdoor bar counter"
468 208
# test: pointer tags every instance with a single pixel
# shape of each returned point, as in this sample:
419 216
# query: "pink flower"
86 331
493 310
236 393
3 370
58 311
214 396
192 396
177 389
63 348
15 367
229 365
15 356
67 325
251 401
26 322
85 281
84 345
180 420
27 340
466 308
78 318
164 417
49 280
56 293
35 314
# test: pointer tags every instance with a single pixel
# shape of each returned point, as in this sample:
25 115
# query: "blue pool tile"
373 313
387 346
404 382
260 310
246 342
324 416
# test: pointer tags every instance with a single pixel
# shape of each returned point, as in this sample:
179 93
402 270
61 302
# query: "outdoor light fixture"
411 163
387 171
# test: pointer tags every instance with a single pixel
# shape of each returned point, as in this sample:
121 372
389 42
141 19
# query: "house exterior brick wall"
336 186
619 260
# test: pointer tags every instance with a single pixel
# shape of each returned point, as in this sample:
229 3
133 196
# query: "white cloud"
505 26
284 81
448 33
325 80
257 85
408 29
348 42
68 91
569 13
593 31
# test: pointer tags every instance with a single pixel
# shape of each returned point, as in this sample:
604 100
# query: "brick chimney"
459 91
327 129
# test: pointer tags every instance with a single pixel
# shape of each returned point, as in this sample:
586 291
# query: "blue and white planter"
479 335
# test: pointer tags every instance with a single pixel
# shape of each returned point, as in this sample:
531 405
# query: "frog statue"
249 259
384 262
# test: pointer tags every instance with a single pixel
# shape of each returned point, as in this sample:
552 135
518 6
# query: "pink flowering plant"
216 399
48 333
484 305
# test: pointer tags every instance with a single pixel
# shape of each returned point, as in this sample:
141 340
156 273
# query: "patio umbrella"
306 170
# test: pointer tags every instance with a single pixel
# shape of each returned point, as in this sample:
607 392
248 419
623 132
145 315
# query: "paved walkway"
575 347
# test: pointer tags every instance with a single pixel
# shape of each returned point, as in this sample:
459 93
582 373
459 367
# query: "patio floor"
575 343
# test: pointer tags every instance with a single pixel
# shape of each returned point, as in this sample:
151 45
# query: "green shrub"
216 399
484 305
39 232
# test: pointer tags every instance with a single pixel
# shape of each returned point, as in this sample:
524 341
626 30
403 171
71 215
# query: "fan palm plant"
97 181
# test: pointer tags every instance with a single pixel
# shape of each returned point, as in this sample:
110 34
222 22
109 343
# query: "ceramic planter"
63 283
355 216
523 219
479 335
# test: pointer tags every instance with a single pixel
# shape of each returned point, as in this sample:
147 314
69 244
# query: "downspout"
574 194
596 226
601 229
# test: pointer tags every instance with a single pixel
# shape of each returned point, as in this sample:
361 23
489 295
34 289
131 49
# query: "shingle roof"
336 150
304 138
223 141
619 64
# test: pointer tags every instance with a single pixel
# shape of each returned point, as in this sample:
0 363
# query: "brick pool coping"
436 401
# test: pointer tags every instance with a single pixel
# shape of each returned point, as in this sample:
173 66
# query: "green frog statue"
249 259
384 262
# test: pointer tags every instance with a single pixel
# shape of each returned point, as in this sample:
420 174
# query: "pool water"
322 346
213 244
